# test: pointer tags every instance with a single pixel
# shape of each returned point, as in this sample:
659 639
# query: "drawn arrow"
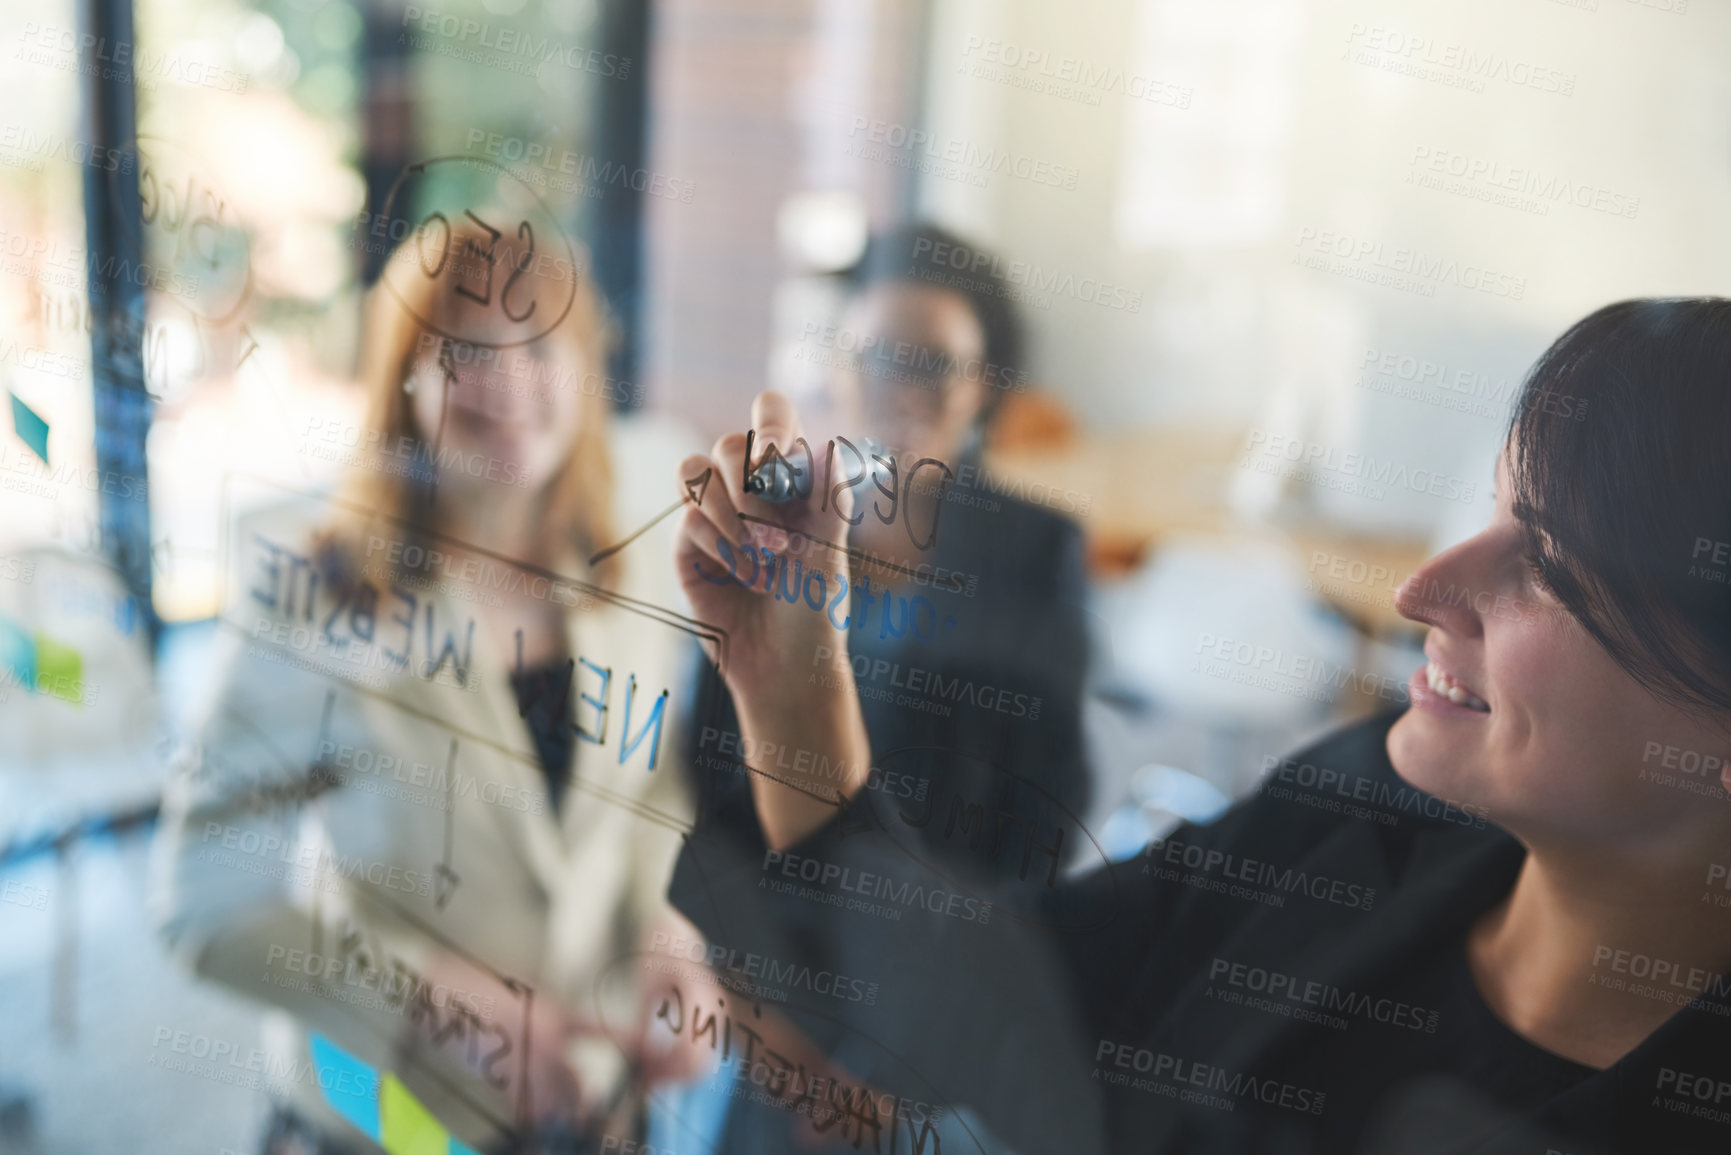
446 880
695 488
251 347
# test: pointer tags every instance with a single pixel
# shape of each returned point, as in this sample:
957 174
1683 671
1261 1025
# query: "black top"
970 683
999 681
1100 1014
1431 1032
543 694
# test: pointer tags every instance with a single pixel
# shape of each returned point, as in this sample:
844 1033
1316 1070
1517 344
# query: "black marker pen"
773 480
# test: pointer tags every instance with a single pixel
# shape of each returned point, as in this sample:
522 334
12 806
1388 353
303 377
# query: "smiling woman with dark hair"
1376 977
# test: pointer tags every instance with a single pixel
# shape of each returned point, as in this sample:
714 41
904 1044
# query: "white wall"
1201 208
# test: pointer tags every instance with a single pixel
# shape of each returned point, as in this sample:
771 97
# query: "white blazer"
326 894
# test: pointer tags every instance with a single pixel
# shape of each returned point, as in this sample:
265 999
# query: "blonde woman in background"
436 863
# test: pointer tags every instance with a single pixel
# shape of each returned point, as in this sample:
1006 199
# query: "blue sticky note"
350 1086
17 654
458 1147
31 429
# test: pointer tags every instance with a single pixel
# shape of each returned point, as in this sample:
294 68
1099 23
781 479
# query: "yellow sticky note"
406 1127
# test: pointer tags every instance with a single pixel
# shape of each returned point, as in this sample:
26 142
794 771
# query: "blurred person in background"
965 624
1512 941
477 988
941 349
976 593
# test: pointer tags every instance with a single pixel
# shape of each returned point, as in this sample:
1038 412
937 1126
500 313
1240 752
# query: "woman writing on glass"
1289 979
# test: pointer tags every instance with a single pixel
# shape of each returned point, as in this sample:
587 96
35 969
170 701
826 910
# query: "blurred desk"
1129 491
1359 575
1132 491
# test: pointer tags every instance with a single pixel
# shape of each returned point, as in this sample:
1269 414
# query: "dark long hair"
1620 459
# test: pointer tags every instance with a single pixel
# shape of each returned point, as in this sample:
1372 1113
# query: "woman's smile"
1439 682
